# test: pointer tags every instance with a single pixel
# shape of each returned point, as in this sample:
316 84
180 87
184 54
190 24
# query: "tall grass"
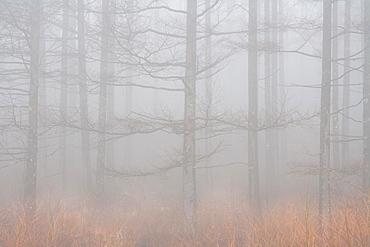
221 223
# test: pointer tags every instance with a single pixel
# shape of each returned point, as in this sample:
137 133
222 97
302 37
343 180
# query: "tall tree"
83 89
33 113
64 95
346 82
103 97
366 96
335 88
189 186
254 188
324 174
270 166
208 141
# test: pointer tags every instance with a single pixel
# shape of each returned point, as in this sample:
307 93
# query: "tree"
103 98
33 113
254 189
346 83
366 96
190 115
335 88
85 134
324 169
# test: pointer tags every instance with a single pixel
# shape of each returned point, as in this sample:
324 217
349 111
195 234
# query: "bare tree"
33 114
254 187
346 83
324 172
83 93
103 98
366 95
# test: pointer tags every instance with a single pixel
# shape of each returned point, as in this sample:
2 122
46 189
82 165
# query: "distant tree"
83 96
254 186
366 95
346 83
324 168
104 54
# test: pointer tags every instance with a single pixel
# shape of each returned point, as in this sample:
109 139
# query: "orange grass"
218 224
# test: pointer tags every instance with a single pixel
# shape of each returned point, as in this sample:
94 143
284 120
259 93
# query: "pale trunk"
274 96
110 113
253 107
270 168
189 189
335 89
64 96
366 88
208 142
103 98
32 139
85 134
346 82
324 175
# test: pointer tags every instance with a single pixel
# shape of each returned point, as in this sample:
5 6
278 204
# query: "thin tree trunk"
346 82
253 107
208 141
103 98
270 166
129 92
335 89
111 95
64 96
282 97
274 96
43 142
189 186
85 134
366 92
33 114
324 175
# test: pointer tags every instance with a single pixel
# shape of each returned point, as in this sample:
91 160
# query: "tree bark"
366 95
85 134
33 114
270 166
189 186
103 98
346 82
208 140
335 89
324 174
64 96
253 107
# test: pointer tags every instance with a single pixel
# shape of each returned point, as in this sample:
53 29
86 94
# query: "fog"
172 104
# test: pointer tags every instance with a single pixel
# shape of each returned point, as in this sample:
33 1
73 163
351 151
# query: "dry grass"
218 224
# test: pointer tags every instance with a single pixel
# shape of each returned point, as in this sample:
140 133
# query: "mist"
184 123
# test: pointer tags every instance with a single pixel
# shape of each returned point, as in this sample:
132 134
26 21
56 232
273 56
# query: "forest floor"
218 223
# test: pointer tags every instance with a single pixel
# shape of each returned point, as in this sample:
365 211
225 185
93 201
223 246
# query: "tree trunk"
103 98
366 89
111 95
282 137
189 186
43 142
85 134
335 89
324 175
208 140
270 166
64 96
346 82
274 96
33 114
253 107
129 91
